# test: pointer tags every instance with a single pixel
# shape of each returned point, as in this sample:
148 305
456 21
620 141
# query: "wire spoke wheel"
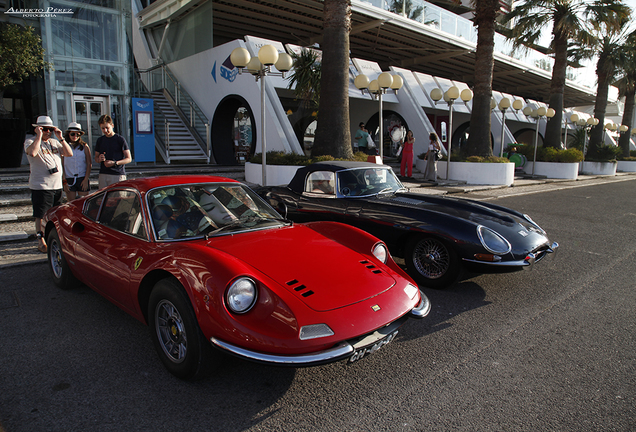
431 258
432 262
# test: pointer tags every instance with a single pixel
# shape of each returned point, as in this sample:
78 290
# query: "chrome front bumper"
528 261
339 352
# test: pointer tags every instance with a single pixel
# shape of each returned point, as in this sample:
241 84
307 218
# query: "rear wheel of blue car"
431 262
179 342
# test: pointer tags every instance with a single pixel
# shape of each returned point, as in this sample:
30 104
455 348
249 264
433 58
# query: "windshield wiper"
241 222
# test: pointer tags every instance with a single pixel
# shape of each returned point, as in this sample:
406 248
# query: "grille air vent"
299 288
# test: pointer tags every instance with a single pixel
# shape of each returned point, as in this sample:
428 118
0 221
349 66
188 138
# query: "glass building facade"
89 46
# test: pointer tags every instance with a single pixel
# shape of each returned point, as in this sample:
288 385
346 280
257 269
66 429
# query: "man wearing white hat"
45 179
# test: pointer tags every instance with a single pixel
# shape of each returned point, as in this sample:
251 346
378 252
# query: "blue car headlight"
493 241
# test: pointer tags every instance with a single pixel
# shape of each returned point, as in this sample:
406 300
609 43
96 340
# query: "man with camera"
45 179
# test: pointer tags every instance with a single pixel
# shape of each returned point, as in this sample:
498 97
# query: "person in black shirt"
112 153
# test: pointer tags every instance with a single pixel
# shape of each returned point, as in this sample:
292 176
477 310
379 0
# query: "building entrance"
86 111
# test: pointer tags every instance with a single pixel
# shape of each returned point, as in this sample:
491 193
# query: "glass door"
86 111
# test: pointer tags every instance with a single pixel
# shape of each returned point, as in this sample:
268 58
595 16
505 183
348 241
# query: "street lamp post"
378 88
449 97
592 121
504 104
260 67
538 113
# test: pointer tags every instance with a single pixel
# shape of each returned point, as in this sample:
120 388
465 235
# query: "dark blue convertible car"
438 237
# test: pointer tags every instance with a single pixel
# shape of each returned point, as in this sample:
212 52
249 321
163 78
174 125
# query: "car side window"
91 210
321 182
122 211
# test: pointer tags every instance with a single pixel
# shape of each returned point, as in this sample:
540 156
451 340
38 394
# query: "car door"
110 249
318 201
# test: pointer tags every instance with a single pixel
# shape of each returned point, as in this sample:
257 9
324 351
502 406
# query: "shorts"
75 184
109 179
43 200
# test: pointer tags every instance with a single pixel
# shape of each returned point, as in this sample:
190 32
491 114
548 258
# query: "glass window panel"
88 76
87 33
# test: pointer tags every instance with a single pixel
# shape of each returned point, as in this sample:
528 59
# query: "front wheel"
431 262
175 332
60 271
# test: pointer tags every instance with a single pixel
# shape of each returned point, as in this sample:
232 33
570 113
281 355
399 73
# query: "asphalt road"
552 349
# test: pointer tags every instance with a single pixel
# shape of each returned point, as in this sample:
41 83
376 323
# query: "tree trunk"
479 141
557 87
628 114
596 135
333 133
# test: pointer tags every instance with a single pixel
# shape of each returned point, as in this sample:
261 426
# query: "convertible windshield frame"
361 182
201 210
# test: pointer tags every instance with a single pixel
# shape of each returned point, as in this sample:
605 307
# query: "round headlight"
241 295
492 241
380 252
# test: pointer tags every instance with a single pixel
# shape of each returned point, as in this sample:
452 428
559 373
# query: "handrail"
159 77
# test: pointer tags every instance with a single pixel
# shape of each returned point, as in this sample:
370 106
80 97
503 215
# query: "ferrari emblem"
375 308
138 262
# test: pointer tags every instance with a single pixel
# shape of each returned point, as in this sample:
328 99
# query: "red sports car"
205 262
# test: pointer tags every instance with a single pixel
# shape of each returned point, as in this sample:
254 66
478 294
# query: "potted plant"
627 164
551 162
480 170
601 161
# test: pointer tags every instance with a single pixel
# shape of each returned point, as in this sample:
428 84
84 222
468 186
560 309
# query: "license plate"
370 349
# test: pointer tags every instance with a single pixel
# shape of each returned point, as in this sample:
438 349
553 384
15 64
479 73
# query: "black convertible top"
297 184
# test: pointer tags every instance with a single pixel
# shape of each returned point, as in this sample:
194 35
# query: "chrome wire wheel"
56 260
171 331
431 258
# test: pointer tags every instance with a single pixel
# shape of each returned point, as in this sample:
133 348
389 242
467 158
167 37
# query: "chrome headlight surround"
529 219
492 241
380 252
241 295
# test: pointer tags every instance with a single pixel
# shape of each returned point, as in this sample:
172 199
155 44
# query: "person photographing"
45 164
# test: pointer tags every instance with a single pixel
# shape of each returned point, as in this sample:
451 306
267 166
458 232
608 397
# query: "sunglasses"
47 129
74 134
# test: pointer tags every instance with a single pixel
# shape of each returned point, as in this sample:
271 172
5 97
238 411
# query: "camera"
52 170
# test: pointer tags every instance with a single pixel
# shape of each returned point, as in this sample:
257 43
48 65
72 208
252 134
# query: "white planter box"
477 173
598 168
277 175
626 166
554 170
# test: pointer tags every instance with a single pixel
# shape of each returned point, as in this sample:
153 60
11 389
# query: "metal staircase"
180 141
181 128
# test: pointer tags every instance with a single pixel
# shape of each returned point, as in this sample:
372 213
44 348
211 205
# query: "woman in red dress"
407 155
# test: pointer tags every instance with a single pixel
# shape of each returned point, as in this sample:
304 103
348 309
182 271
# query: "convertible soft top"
298 182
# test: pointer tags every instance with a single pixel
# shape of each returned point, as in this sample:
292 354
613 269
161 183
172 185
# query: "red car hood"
322 273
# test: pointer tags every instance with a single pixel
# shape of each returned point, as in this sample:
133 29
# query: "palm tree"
613 53
571 22
627 88
305 79
479 143
333 135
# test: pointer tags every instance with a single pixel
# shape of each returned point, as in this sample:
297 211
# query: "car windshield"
367 181
208 209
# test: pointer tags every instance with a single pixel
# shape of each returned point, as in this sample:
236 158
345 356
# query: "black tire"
175 332
60 271
432 262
